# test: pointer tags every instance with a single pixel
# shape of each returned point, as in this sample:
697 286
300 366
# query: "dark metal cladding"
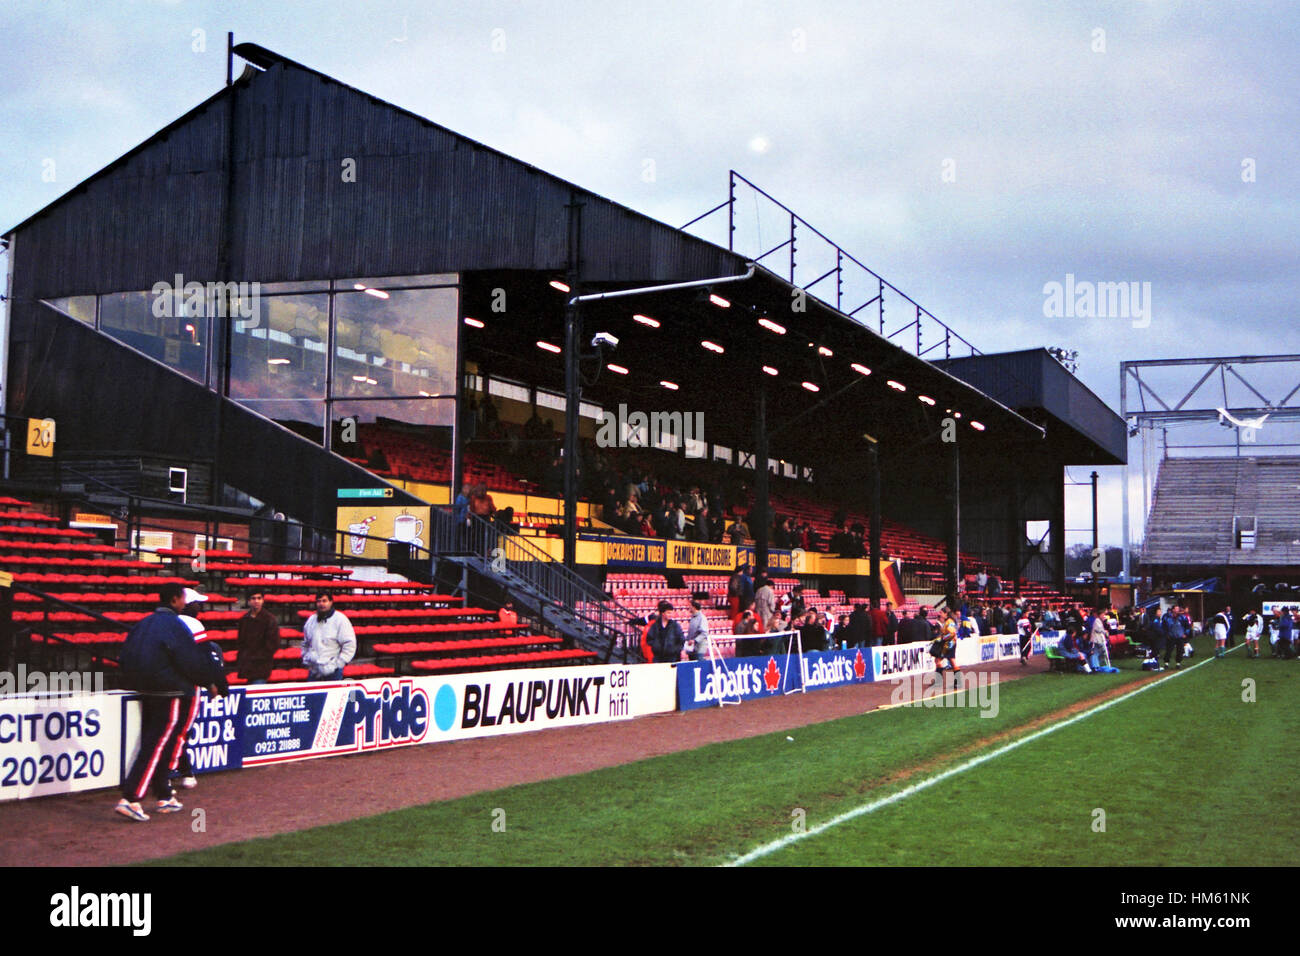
329 181
1032 379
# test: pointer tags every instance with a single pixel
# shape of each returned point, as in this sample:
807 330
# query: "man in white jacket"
328 641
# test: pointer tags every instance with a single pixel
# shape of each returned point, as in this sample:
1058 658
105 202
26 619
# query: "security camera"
604 339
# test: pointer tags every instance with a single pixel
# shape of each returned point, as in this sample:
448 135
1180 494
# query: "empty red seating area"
410 621
413 457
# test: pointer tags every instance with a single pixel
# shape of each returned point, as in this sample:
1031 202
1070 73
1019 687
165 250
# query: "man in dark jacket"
259 639
914 629
161 659
663 640
859 627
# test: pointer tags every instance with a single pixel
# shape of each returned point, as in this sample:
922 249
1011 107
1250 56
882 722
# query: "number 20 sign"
40 437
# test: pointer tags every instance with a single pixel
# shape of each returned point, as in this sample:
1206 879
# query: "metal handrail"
558 585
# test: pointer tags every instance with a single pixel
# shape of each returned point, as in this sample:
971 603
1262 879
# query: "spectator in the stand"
748 591
995 585
608 504
857 542
982 581
891 634
460 507
328 641
798 605
678 521
765 604
840 543
697 632
879 624
814 540
738 532
258 638
702 532
481 503
914 629
1051 619
860 633
781 534
811 632
747 646
662 640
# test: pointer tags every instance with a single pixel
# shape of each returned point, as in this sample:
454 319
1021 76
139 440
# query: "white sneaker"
189 783
132 811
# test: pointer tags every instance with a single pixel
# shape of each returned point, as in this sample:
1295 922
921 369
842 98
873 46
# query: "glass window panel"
280 352
397 343
80 307
301 416
403 439
722 453
142 321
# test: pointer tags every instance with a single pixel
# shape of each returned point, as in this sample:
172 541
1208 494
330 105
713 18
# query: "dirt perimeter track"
81 830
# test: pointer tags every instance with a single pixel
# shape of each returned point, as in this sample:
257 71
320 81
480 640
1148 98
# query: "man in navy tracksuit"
161 659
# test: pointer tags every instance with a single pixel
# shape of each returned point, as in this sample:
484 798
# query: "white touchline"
787 840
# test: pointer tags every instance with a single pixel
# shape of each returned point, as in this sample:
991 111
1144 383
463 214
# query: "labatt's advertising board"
836 668
702 684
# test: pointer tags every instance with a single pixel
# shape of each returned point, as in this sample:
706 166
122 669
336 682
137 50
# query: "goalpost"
794 639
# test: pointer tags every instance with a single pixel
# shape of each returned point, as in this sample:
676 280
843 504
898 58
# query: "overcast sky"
969 152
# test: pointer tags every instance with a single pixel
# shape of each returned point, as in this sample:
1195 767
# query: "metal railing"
919 332
36 644
508 553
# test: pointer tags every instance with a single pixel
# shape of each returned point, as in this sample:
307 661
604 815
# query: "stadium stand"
402 626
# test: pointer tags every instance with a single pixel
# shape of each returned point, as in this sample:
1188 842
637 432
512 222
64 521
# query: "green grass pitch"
1187 773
